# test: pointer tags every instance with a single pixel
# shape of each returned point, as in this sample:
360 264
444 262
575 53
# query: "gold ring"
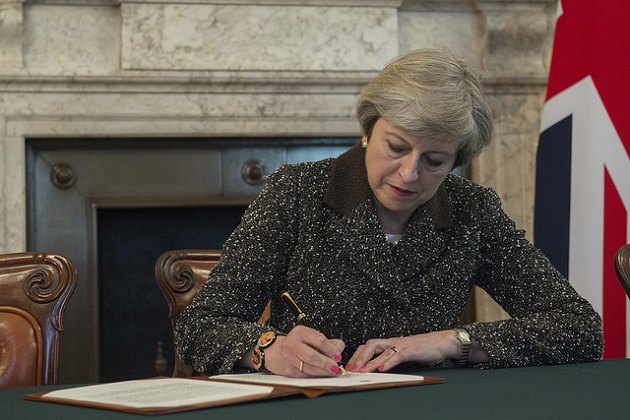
301 366
394 348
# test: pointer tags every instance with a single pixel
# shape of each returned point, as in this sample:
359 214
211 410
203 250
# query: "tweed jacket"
314 231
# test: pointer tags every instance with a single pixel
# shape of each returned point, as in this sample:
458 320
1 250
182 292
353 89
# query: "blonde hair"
430 93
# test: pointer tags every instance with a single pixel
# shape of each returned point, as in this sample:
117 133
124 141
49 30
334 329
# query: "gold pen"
303 320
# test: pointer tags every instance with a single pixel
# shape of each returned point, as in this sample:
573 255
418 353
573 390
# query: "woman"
381 248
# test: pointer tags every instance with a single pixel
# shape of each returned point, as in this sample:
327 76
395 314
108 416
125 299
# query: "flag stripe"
553 194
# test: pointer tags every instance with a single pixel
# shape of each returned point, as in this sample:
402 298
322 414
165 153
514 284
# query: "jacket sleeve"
219 326
550 322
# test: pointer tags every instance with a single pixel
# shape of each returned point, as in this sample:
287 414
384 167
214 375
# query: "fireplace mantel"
83 68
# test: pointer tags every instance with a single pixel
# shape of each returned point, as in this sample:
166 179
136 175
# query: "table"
599 390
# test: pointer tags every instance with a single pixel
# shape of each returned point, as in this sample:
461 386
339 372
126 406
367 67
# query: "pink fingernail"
381 367
363 367
353 367
337 357
335 369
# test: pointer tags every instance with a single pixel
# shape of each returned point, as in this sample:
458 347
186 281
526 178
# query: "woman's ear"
364 141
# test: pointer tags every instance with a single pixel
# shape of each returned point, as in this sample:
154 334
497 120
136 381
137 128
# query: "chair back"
180 274
622 267
34 291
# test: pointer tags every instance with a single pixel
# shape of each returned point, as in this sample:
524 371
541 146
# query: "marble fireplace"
159 97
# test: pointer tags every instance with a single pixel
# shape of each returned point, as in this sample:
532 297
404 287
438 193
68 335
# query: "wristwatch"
464 337
258 356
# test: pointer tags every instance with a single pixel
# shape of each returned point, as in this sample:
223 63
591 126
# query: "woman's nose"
408 171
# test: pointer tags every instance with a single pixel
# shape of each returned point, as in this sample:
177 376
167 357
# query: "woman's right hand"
307 349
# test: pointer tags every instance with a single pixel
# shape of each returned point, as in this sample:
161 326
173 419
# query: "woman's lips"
401 191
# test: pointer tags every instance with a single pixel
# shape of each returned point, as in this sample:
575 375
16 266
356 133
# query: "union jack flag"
583 171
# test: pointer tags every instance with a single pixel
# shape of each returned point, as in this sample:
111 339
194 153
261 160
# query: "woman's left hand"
383 354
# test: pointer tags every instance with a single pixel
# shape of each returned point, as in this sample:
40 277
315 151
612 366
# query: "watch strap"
258 359
263 342
464 338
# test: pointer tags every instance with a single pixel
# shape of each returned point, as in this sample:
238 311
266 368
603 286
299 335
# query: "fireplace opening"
114 205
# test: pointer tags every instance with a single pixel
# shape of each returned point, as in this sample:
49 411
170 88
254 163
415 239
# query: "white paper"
168 392
353 379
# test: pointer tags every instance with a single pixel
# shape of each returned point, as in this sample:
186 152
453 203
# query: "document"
167 392
170 395
353 379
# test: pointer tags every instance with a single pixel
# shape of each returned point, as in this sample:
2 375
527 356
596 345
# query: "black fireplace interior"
130 240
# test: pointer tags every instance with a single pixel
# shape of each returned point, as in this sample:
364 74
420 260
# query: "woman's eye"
434 163
394 148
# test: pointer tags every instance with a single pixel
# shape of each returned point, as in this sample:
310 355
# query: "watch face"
266 339
464 335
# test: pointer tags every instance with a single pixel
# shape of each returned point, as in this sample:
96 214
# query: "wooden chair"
622 267
180 274
34 291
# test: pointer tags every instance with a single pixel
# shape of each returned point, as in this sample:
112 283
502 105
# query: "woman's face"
404 171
